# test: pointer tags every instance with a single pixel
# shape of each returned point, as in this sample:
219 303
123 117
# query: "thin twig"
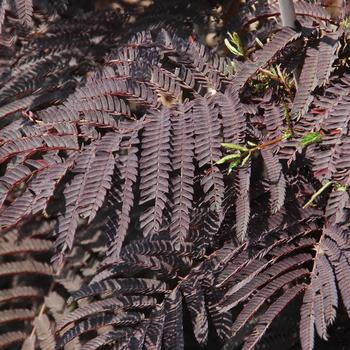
276 78
315 195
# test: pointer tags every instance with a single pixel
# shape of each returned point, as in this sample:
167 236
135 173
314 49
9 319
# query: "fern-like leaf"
155 167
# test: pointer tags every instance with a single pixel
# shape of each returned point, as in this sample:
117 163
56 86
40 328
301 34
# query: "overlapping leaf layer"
113 177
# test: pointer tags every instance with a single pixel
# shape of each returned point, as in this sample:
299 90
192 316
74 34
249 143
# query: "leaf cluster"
150 198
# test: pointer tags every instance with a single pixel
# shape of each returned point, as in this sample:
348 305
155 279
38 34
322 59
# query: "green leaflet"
227 158
234 146
312 137
235 45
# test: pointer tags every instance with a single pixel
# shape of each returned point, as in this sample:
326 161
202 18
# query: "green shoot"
227 158
345 23
233 165
235 147
340 188
286 135
276 74
235 45
272 77
312 137
259 42
246 159
241 156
